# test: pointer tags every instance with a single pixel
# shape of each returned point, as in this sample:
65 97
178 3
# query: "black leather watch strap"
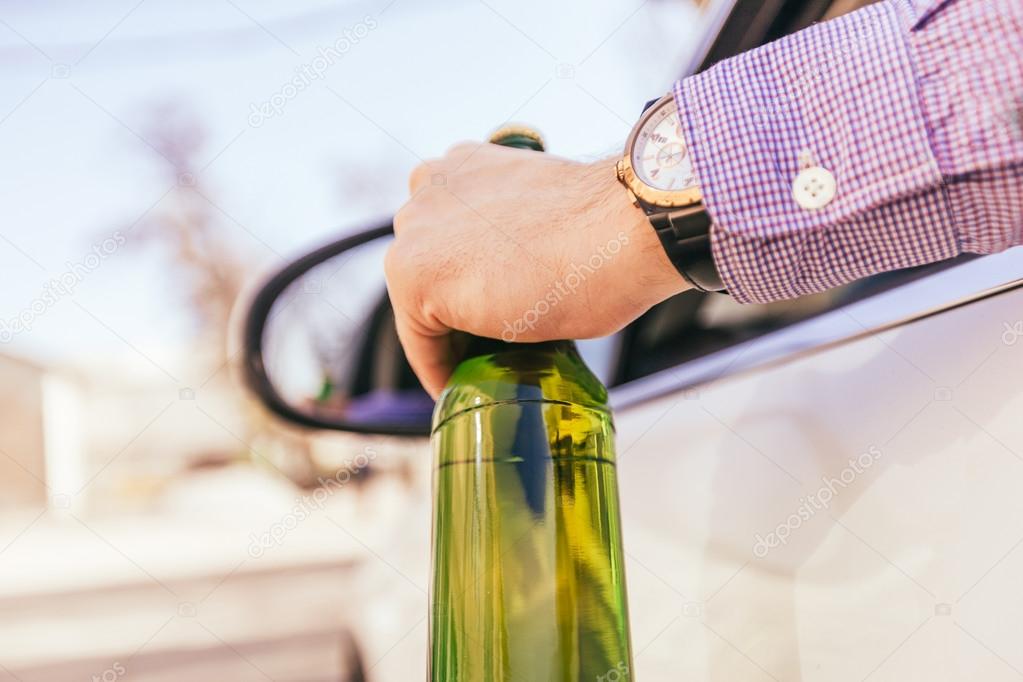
685 235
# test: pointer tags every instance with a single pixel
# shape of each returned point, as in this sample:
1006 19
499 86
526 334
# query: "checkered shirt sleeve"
916 109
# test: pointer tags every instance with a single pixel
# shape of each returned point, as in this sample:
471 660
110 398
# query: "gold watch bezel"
641 191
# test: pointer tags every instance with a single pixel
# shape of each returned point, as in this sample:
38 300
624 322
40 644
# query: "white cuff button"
814 188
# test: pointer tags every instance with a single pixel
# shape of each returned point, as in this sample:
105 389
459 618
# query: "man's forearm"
915 110
900 123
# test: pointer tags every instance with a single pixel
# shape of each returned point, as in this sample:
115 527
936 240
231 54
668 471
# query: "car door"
837 500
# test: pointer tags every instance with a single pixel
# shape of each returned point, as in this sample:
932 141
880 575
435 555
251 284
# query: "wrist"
654 276
660 178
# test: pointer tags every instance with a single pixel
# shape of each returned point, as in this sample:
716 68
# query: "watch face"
659 154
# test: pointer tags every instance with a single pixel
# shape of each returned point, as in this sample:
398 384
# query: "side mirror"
319 345
320 349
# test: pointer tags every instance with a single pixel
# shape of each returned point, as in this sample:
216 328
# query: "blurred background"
158 159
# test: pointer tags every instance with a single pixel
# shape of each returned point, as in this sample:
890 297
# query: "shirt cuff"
841 96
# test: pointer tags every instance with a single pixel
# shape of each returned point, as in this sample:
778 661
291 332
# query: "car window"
694 324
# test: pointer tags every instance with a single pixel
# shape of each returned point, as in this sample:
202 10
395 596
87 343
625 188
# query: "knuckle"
430 173
400 218
419 177
404 276
404 217
392 263
415 179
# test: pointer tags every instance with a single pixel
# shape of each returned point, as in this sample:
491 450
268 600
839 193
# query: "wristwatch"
657 171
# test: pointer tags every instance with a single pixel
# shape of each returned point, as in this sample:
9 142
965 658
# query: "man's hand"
520 246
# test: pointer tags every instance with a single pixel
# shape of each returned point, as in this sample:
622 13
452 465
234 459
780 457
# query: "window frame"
907 303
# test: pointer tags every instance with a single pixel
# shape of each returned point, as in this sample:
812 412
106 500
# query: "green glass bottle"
528 572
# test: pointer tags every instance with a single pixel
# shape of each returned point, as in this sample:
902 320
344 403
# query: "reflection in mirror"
330 349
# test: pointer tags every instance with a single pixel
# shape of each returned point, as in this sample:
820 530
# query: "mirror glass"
330 350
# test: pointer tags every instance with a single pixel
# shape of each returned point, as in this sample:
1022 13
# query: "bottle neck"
498 372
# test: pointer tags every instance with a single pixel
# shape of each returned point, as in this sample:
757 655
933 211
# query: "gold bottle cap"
516 135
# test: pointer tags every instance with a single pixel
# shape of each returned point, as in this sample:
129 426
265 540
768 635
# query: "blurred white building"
100 438
23 434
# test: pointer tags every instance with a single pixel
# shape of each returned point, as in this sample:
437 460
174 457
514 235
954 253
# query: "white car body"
902 564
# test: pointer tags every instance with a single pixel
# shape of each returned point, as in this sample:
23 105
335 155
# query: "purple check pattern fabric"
916 108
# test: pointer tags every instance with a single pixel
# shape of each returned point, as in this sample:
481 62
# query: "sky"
385 84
